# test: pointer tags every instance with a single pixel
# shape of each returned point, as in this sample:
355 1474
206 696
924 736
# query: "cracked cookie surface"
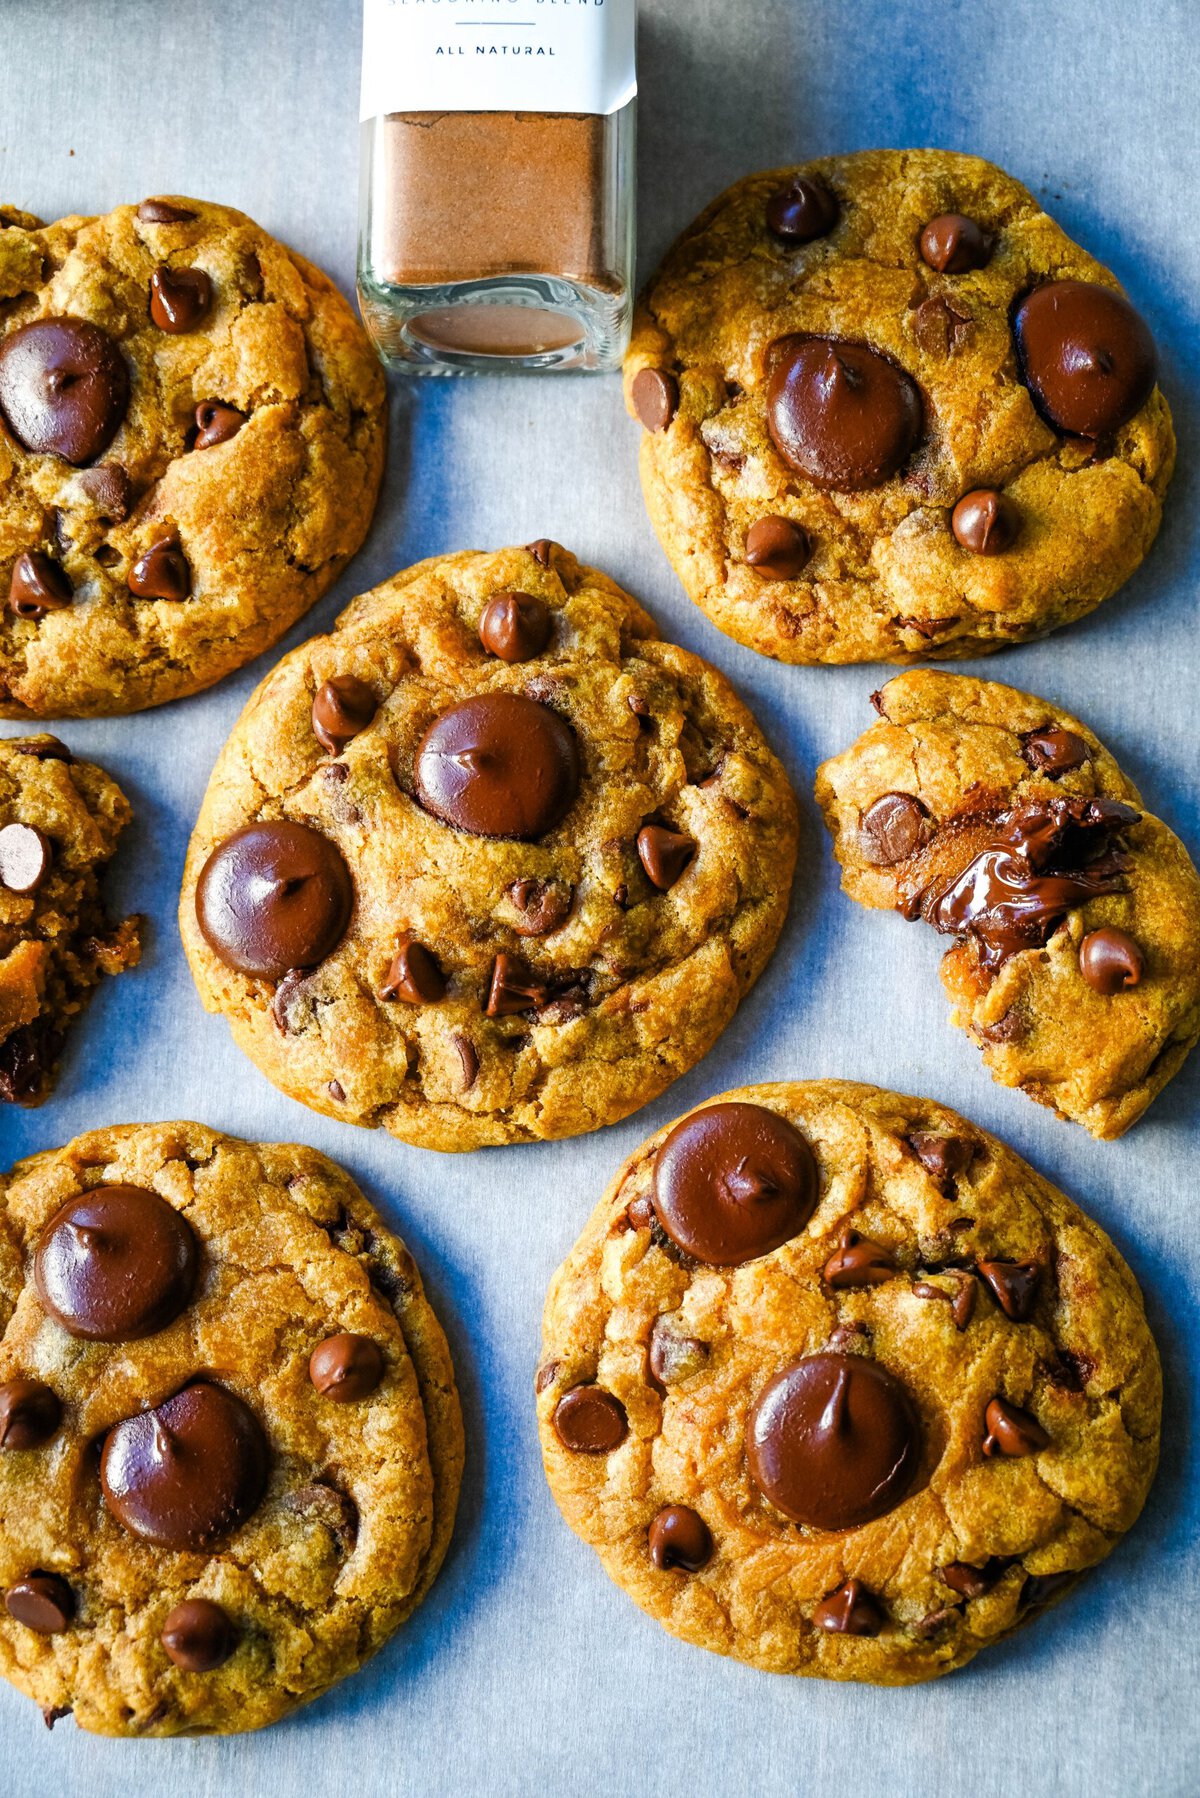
926 1261
359 1497
60 820
1004 821
816 570
463 988
185 465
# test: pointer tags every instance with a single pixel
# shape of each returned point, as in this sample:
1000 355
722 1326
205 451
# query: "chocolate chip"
542 904
986 522
1013 1285
941 326
541 551
515 626
187 1472
1054 750
180 298
1109 960
38 585
806 209
468 1056
43 749
857 1261
30 1412
109 488
892 828
26 1055
1011 1431
215 424
162 572
655 397
839 413
346 1367
343 707
499 765
732 1182
590 1421
953 244
24 858
1086 356
961 1301
850 1611
198 1635
674 1357
52 1713
334 1509
163 212
664 854
116 1264
679 1537
64 388
777 548
336 1091
545 1376
42 1602
969 1581
274 897
942 1157
1040 1588
512 987
414 975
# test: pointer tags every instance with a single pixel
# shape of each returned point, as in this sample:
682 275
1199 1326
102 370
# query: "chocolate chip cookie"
1004 823
230 1439
59 824
191 441
891 412
835 1383
491 861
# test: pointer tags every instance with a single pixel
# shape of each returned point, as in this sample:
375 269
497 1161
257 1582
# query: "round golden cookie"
491 861
230 1439
192 433
826 364
1005 823
835 1383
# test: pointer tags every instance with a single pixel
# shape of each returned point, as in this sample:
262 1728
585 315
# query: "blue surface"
526 1671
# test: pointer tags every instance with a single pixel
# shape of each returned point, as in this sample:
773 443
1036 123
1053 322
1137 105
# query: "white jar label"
497 56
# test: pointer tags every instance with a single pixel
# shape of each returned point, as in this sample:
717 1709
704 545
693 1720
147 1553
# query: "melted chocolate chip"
468 1057
1086 356
672 1357
961 1300
986 522
541 551
733 1182
180 298
806 209
664 854
116 1264
953 244
590 1421
38 585
414 975
850 1611
64 388
500 765
839 413
42 1602
679 1537
1011 1431
513 987
1013 1285
24 858
942 1157
542 904
163 212
25 1056
273 897
857 1261
833 1441
346 1367
1054 750
110 490
892 828
655 396
187 1472
30 1412
972 1582
216 424
777 548
1040 1588
162 572
198 1635
941 326
1109 960
515 626
343 707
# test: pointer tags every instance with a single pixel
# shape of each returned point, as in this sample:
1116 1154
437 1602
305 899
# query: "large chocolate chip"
806 209
733 1182
163 212
1109 960
986 522
857 1261
180 298
954 244
24 858
41 1601
777 548
1011 1431
839 413
1054 750
892 828
655 397
116 1264
1086 356
273 897
414 975
850 1611
590 1421
30 1412
513 987
500 765
515 626
346 1367
187 1472
679 1537
198 1635
833 1441
38 585
216 424
162 572
664 854
1013 1285
343 707
64 388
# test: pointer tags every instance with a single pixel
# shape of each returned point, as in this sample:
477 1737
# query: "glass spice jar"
497 203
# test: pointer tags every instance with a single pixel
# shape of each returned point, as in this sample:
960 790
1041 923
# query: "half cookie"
1003 822
230 1439
891 412
835 1383
191 439
491 861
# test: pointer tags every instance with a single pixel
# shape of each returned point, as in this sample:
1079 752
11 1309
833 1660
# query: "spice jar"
496 227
